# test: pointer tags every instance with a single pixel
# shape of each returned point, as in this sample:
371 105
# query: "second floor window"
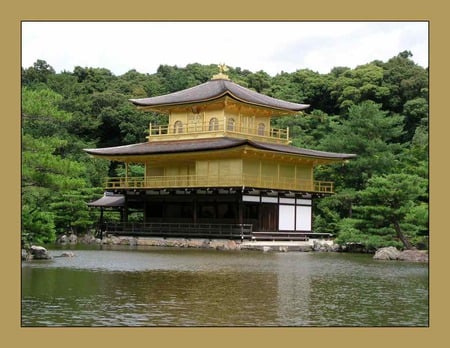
261 129
213 124
230 124
178 127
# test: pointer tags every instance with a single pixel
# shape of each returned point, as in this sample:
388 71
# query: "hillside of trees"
378 111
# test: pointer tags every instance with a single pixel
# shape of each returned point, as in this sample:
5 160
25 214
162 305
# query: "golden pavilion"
217 169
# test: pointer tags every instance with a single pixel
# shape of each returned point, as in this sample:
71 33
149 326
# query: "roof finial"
222 68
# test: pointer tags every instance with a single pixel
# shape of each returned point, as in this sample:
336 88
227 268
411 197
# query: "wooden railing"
184 230
204 181
219 128
202 230
288 236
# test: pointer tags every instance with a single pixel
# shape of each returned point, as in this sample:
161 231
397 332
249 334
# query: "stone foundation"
218 244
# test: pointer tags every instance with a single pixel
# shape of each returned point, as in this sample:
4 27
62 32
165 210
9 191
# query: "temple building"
217 169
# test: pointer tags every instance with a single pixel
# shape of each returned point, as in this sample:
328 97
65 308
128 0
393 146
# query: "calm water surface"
130 286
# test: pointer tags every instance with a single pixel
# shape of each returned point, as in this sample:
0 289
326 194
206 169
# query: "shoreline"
312 245
204 243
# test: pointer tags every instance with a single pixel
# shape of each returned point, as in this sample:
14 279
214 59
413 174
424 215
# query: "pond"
178 287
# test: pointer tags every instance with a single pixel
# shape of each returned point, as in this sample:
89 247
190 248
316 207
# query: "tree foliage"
370 133
378 110
384 206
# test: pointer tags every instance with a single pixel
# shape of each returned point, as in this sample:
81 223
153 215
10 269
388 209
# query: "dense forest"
378 111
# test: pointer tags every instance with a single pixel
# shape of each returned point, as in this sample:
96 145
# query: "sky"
273 47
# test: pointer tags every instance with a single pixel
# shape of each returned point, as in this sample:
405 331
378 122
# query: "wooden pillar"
295 213
216 206
124 211
194 210
240 209
261 226
101 223
144 211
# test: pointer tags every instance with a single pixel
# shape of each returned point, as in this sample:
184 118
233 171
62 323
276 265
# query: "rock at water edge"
39 253
413 256
387 253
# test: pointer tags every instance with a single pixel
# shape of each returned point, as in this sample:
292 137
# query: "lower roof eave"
149 149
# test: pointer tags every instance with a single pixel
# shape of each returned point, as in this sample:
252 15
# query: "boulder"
387 253
73 239
25 255
38 253
335 247
231 245
111 240
196 243
88 238
220 244
62 239
66 254
413 255
324 245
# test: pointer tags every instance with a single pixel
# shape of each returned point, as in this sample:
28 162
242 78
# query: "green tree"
41 114
259 81
405 81
53 168
416 115
308 129
304 86
37 74
45 175
173 77
93 79
71 213
365 82
393 200
38 227
373 136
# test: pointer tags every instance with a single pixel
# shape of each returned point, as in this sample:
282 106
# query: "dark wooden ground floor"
215 213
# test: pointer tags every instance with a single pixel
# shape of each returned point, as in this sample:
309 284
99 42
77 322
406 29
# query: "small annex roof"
109 200
215 89
211 144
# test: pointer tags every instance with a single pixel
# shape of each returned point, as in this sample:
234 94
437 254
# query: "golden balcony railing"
225 127
211 181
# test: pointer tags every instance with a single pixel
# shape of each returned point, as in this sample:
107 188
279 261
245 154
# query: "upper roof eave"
165 107
216 89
